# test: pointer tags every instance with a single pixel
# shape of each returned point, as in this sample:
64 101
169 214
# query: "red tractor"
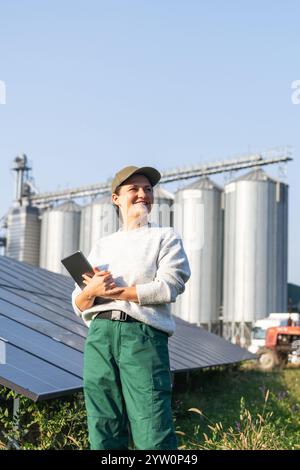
281 341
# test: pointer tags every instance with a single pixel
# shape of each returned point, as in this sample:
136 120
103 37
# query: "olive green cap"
152 174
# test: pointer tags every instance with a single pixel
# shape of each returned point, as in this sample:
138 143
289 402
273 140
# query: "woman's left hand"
128 293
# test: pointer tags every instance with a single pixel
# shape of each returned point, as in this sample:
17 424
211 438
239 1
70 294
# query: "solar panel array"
42 340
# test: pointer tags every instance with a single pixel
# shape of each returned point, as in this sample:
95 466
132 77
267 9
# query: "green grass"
233 408
239 408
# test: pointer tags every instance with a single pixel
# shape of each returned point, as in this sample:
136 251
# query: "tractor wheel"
283 360
267 360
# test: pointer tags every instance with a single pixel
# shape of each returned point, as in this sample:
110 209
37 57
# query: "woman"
139 271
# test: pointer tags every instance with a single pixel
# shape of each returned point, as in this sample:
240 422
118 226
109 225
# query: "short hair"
117 209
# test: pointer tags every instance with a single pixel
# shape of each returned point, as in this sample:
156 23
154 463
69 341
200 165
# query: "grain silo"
281 246
23 234
59 235
23 221
162 209
198 218
255 250
98 219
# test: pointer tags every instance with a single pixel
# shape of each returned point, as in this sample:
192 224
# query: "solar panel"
42 340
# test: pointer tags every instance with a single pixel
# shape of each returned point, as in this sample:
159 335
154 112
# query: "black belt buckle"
123 316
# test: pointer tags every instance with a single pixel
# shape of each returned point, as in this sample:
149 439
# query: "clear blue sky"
96 85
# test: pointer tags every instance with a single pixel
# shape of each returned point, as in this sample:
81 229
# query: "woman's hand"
129 294
101 284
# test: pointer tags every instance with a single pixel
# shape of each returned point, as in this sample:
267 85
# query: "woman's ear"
114 198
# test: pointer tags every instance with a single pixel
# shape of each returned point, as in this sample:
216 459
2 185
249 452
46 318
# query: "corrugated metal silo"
198 218
255 248
98 219
23 234
162 209
59 235
282 246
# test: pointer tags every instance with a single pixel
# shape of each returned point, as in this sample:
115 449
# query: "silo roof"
163 193
69 206
103 199
42 340
255 175
202 183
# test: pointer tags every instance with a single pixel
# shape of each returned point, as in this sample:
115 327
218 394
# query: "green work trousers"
127 386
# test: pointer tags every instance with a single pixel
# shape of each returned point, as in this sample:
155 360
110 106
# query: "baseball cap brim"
151 173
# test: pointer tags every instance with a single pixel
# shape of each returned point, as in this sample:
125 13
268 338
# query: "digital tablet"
77 264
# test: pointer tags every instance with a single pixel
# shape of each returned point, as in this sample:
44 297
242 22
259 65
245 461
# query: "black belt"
114 315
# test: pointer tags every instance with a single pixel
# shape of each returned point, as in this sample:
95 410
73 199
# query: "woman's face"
135 197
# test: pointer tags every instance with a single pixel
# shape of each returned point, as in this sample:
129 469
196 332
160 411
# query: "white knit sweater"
150 257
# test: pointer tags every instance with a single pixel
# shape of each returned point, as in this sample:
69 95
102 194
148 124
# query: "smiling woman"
126 304
134 199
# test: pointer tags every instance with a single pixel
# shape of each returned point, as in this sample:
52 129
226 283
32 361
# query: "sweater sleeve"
172 273
77 290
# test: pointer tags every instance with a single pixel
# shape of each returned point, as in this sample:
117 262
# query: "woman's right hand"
101 284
